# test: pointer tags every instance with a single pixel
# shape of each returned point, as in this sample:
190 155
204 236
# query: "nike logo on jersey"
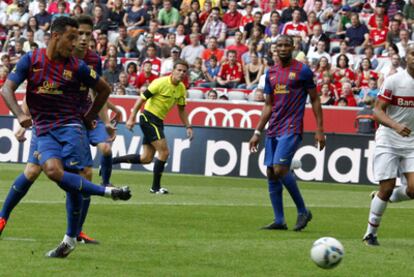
73 163
283 160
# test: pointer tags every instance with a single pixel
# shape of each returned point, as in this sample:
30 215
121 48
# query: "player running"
286 88
162 94
53 83
394 150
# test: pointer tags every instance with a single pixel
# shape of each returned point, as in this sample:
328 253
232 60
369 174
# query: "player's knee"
32 171
87 173
270 174
105 149
53 172
146 159
163 154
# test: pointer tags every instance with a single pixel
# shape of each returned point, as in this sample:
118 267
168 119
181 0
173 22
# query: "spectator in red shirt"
248 17
53 7
205 12
295 27
212 50
231 72
378 36
232 18
132 72
238 45
145 77
343 73
348 95
365 73
155 61
379 13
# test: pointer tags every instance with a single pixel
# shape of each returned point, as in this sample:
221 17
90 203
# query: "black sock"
158 170
130 159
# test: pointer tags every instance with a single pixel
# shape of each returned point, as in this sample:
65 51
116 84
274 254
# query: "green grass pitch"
207 226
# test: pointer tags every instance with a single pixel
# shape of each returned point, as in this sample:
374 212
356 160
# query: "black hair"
60 23
346 60
182 62
84 19
289 38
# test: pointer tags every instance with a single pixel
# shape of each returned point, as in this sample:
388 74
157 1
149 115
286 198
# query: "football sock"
289 181
375 213
276 198
69 240
130 159
399 194
73 212
76 183
18 190
158 170
86 201
106 169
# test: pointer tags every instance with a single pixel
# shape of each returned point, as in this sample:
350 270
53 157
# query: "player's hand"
320 140
253 143
111 130
24 120
190 134
118 116
403 130
130 124
20 134
90 124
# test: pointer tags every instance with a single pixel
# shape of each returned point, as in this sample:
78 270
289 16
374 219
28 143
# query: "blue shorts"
98 135
280 150
65 143
33 153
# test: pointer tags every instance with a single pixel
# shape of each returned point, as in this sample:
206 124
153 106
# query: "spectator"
314 5
330 19
344 50
257 38
13 36
238 45
403 44
287 13
132 72
77 10
214 27
365 73
33 25
345 22
320 52
155 61
295 27
195 73
355 5
191 18
212 95
231 72
195 29
248 29
379 13
357 35
409 12
102 44
326 95
123 82
348 95
274 20
125 44
134 18
17 53
168 64
212 49
313 40
248 17
149 40
30 40
145 77
101 25
370 92
205 13
91 46
343 73
111 74
5 61
378 36
168 45
271 38
192 51
266 18
311 23
18 17
393 35
342 102
168 17
322 68
365 121
119 91
180 35
211 70
298 54
232 18
61 10
116 15
392 68
43 17
369 54
4 71
54 7
252 72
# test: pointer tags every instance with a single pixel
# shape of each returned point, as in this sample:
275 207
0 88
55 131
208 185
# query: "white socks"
108 191
375 213
70 241
399 194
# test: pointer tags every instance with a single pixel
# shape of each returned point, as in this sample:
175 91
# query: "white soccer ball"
327 252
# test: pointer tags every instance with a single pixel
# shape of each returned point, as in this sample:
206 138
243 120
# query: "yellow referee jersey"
164 96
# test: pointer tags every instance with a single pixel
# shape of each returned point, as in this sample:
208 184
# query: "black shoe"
302 221
122 193
159 191
62 251
275 226
371 240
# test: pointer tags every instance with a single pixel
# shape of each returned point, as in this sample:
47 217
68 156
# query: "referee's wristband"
257 133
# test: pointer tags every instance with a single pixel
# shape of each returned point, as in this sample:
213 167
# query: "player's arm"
118 114
137 107
264 118
317 111
20 134
182 113
381 117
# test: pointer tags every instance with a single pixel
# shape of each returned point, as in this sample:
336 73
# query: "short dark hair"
182 62
84 19
287 37
215 9
60 23
232 52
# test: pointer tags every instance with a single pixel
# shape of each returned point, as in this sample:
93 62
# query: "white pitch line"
172 203
18 239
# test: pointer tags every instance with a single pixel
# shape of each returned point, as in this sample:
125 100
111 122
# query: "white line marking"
18 239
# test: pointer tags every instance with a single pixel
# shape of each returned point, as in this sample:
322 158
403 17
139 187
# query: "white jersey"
398 91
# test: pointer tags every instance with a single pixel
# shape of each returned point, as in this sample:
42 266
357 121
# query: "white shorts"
390 162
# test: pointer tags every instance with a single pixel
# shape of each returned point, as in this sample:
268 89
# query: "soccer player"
53 97
287 86
394 150
160 97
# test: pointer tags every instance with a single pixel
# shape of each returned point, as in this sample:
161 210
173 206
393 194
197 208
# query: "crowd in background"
351 45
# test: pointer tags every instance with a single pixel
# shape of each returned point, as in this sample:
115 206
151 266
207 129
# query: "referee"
159 99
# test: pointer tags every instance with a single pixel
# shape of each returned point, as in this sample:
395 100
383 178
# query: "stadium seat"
236 95
195 94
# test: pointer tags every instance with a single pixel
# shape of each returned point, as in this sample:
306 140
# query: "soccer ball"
327 252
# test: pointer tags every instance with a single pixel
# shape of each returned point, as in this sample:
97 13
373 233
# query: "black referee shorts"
152 127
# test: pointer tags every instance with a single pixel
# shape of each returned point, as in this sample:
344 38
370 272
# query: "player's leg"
106 162
161 147
386 164
406 190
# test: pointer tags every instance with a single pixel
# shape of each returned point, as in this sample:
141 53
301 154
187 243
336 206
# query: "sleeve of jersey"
88 76
309 83
267 86
386 91
99 67
151 90
182 100
20 71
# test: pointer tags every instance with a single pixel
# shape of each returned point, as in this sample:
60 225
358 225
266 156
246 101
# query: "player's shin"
291 185
106 169
158 170
73 210
75 183
86 201
131 159
376 211
276 198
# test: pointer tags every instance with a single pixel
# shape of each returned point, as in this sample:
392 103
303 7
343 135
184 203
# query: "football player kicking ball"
287 86
54 78
394 150
160 97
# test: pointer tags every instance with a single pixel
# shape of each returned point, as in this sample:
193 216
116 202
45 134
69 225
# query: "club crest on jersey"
280 89
93 74
292 76
67 74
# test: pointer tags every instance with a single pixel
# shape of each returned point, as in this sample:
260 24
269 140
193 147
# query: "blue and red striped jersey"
93 60
53 88
289 88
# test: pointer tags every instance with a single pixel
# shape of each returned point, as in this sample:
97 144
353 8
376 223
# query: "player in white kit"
394 151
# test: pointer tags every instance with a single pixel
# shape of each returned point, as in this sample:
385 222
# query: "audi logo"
228 120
